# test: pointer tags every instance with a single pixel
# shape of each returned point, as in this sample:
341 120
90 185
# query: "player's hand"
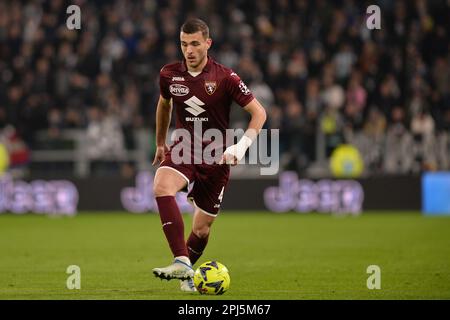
235 153
159 154
228 158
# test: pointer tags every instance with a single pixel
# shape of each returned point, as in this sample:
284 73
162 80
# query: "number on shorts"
221 195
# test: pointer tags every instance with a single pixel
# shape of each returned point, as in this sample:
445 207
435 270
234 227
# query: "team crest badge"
210 87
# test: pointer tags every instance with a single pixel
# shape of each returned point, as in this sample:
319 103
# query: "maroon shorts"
210 181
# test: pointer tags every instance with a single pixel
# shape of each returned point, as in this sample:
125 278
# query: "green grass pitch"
270 256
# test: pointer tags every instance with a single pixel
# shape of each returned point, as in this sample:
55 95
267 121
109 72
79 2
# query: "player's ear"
209 42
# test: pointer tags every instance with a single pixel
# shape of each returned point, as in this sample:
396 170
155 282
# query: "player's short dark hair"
195 25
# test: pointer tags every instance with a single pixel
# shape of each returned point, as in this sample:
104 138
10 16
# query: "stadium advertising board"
303 195
57 197
285 193
436 193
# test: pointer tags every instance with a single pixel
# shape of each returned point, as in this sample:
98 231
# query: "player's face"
195 49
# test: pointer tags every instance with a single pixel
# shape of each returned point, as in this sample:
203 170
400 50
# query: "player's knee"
162 189
201 231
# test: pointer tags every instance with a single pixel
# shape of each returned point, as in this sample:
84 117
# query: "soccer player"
201 90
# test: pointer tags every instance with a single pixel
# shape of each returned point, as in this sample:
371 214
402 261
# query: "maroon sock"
195 246
172 223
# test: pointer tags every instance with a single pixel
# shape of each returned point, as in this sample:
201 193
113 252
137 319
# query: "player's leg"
198 239
168 182
206 196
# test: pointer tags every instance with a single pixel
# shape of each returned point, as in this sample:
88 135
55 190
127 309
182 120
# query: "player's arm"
258 118
233 154
163 116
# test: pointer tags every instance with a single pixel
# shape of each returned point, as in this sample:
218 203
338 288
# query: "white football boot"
180 269
187 285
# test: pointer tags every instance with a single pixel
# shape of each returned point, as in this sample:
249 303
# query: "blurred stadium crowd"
313 64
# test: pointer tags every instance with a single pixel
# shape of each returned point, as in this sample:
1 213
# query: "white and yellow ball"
212 277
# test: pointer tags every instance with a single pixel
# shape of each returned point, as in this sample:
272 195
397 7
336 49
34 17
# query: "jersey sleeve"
164 85
238 90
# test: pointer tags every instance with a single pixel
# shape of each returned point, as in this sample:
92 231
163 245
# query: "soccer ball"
212 277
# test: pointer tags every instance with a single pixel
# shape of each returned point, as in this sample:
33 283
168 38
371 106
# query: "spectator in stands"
399 145
19 153
104 135
375 126
422 125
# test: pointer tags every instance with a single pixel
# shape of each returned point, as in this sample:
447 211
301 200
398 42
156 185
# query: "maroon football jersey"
206 97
